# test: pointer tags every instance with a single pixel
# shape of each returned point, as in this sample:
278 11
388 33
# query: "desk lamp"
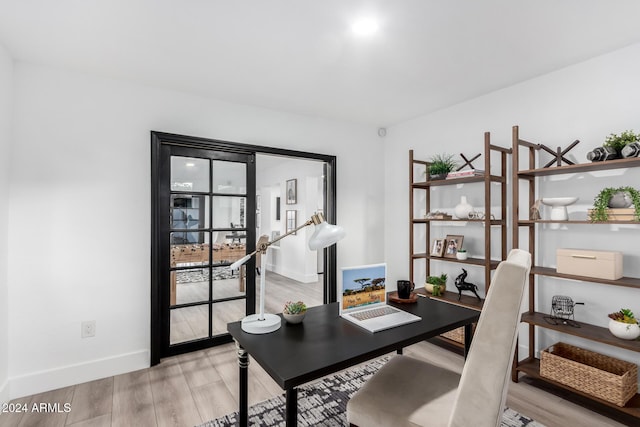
324 235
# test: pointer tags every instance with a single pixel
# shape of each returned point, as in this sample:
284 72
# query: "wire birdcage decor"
562 311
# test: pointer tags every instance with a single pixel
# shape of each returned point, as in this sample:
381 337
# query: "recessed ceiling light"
365 26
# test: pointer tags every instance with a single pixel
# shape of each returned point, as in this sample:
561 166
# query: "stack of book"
619 214
465 173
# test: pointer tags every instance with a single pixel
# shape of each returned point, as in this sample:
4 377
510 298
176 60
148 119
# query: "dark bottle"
600 154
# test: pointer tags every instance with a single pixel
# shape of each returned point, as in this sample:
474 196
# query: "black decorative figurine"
464 286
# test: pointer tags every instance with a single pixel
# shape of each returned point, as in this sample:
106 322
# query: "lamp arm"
264 246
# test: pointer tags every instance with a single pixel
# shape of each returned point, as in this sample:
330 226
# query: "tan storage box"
582 262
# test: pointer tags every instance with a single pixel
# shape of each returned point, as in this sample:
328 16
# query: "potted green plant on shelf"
440 165
623 324
294 312
617 142
436 285
601 203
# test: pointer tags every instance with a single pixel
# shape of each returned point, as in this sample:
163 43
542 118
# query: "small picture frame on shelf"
452 244
437 248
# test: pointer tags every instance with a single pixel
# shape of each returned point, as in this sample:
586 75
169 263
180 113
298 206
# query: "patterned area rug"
324 403
202 275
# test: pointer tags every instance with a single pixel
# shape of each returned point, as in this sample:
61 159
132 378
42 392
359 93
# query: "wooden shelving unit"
530 366
485 183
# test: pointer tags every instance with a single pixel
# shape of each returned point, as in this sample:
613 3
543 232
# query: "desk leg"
292 407
399 351
243 363
467 339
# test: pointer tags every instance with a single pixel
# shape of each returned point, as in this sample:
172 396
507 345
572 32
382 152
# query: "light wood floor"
193 388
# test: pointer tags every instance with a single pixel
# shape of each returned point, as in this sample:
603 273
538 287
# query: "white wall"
6 76
79 211
292 258
586 102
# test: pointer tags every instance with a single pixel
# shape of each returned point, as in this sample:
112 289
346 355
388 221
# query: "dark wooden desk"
325 343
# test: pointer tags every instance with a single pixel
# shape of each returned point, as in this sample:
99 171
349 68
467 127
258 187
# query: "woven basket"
457 334
604 377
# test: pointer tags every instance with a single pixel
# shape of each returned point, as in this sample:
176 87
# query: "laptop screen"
363 286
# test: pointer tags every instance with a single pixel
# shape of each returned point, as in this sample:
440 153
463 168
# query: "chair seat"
428 395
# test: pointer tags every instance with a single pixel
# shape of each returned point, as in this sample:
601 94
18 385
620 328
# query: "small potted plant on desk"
294 312
624 325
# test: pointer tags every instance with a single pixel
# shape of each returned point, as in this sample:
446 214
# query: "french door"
203 218
204 197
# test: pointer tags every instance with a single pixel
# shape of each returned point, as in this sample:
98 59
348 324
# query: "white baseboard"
38 382
4 392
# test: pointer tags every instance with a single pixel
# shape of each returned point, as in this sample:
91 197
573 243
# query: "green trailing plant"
601 203
440 164
618 142
294 307
624 315
436 291
437 280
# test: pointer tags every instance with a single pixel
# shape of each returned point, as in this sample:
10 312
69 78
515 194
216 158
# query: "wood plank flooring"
193 388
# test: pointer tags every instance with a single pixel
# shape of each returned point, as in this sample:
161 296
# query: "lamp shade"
324 235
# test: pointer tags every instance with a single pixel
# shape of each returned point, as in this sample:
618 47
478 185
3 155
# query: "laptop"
364 299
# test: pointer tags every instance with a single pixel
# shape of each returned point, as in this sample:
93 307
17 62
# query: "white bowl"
626 331
559 201
559 207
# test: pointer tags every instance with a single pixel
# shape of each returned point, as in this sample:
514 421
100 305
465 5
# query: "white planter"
461 255
626 331
294 318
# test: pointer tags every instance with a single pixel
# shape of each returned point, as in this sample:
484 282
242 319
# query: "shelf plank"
629 282
582 167
531 367
426 220
591 332
548 221
493 264
455 181
452 298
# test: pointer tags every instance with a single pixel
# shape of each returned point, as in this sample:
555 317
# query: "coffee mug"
404 289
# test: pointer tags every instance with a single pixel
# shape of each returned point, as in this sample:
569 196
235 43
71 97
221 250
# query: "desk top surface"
325 343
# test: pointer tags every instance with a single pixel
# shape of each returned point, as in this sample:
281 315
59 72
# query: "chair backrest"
484 383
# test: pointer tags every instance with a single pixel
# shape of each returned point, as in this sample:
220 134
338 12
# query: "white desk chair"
410 392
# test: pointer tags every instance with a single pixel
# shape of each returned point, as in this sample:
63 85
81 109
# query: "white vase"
463 209
626 331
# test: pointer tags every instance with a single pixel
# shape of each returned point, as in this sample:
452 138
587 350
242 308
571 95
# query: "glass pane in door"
189 174
189 323
229 212
229 177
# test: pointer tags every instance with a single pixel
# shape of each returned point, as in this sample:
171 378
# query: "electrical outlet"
88 329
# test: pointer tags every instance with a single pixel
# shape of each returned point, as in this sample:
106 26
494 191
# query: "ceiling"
301 56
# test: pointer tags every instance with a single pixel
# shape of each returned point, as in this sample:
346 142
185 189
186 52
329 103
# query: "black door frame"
162 140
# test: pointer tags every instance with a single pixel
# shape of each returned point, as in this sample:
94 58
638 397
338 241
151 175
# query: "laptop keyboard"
376 312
